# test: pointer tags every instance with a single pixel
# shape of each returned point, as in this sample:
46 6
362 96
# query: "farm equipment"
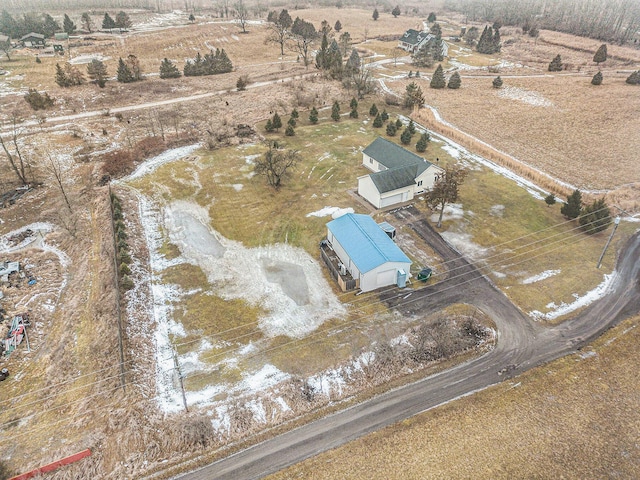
425 274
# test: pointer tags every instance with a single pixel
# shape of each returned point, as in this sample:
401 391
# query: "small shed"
366 251
33 40
4 38
389 229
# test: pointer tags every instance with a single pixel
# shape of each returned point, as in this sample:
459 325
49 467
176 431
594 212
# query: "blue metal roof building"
366 251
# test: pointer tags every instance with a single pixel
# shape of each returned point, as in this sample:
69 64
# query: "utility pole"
616 222
176 365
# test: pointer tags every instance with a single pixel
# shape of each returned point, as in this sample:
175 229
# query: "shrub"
289 132
124 269
597 79
126 283
497 82
242 83
118 163
38 101
634 78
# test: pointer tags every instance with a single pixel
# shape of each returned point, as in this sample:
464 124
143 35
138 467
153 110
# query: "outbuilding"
367 252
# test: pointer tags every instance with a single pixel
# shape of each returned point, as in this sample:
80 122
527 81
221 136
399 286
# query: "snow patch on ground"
565 308
540 276
524 96
462 242
335 212
88 58
452 211
169 156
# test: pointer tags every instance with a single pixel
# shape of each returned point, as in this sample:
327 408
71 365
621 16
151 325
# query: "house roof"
392 155
395 178
33 35
413 37
3 38
365 242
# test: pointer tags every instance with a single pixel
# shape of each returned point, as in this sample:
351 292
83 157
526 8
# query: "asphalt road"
522 344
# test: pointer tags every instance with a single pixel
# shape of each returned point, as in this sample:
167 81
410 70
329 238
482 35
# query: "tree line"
615 21
46 25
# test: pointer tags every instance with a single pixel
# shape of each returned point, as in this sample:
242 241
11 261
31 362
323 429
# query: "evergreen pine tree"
634 78
556 64
295 114
373 111
97 71
432 17
421 146
68 26
438 80
124 73
384 115
377 122
168 69
573 207
497 82
354 104
335 111
405 138
454 81
396 11
417 73
290 132
192 18
313 116
376 15
412 127
268 126
597 79
276 121
550 199
292 122
595 217
353 113
391 129
108 23
61 77
338 26
398 124
496 41
601 54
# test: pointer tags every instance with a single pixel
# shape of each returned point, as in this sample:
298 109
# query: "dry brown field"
574 418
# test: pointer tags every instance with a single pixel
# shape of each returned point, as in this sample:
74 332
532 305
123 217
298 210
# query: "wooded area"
615 21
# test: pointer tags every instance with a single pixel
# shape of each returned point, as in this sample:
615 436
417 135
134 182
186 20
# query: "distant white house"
398 174
367 252
413 40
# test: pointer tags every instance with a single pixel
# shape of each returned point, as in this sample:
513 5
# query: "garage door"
384 202
388 277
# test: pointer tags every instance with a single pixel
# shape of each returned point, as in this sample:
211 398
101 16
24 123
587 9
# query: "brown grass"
575 418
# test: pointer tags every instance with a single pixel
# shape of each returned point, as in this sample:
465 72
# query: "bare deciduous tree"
242 14
16 160
275 163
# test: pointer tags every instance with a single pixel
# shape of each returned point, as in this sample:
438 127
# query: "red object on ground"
52 466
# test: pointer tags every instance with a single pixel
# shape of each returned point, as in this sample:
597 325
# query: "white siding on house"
428 178
368 190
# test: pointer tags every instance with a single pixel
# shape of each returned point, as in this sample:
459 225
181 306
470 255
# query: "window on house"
371 160
420 183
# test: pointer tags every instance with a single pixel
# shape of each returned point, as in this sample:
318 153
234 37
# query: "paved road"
522 345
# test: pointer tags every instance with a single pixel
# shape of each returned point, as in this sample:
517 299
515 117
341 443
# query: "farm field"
574 418
233 314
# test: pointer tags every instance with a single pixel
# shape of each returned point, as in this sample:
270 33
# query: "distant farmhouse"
33 40
398 174
367 257
414 40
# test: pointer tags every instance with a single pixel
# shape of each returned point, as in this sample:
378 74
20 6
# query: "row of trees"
612 21
438 79
592 218
46 25
129 70
212 63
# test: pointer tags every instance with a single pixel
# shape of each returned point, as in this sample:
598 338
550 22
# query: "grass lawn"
518 235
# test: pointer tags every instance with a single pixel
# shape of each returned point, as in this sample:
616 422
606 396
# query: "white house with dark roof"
413 40
397 174
367 252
